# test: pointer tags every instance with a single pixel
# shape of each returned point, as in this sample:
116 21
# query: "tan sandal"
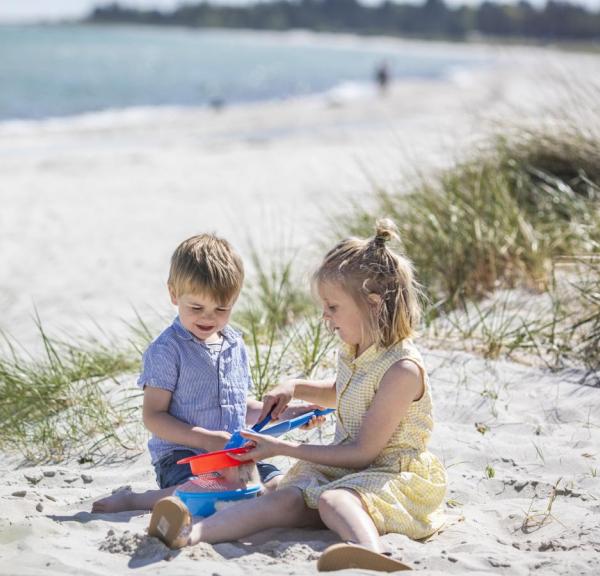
343 556
171 522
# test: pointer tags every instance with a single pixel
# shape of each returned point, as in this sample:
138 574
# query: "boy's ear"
172 295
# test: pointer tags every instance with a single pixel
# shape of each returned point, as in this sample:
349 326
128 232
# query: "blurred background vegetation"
556 20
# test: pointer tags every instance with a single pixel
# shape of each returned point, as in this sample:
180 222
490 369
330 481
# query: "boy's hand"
216 441
276 401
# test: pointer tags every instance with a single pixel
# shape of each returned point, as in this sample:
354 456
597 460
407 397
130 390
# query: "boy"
196 374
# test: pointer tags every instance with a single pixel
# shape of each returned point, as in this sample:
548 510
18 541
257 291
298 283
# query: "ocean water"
64 70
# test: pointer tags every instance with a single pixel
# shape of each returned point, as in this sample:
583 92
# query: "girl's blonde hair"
364 268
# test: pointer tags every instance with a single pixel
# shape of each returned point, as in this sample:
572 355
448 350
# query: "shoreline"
476 59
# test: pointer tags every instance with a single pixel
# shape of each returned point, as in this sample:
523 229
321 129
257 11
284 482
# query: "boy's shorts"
169 473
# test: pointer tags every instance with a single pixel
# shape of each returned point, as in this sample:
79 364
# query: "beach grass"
586 325
311 343
559 327
281 352
274 297
267 347
67 402
496 219
501 219
283 330
519 325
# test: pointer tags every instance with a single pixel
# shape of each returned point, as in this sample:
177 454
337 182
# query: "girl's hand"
313 422
261 447
276 401
293 411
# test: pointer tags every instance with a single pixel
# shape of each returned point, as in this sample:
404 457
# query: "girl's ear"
374 299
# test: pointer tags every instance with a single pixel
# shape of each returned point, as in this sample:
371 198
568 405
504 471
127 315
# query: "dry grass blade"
534 520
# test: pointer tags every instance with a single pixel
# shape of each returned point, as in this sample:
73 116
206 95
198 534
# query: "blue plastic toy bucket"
202 503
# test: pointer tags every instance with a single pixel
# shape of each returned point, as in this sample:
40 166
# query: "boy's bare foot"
119 501
171 522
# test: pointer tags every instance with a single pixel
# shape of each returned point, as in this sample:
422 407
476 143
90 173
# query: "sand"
539 446
91 210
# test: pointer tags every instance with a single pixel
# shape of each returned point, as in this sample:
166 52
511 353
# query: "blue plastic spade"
287 425
238 440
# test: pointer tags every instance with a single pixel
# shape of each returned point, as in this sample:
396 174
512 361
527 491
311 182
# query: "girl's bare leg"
123 500
343 512
283 508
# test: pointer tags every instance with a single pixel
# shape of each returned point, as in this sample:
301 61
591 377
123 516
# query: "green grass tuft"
282 330
497 219
66 403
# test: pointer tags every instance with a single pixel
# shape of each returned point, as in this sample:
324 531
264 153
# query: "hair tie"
380 241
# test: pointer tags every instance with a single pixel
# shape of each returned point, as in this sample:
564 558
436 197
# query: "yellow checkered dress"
404 487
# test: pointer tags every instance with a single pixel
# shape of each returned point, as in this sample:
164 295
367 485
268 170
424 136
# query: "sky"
28 10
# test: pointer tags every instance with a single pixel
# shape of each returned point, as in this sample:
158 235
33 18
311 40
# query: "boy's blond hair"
206 264
368 268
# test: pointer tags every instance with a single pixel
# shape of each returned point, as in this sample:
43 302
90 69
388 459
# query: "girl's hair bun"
385 230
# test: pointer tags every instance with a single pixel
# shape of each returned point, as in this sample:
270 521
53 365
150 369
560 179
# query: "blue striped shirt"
204 393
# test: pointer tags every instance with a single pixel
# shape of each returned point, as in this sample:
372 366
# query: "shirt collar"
229 334
348 353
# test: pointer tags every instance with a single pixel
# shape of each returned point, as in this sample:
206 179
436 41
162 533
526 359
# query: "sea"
62 70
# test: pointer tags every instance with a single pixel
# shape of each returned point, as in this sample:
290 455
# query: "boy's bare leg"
283 508
123 500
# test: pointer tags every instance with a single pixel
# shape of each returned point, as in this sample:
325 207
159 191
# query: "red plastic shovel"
203 463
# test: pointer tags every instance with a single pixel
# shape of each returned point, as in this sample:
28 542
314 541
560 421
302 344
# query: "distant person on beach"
382 77
377 476
195 375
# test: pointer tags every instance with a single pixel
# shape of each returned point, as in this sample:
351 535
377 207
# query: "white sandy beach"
92 208
543 438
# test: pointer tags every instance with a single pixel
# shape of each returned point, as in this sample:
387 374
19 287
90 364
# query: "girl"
377 476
